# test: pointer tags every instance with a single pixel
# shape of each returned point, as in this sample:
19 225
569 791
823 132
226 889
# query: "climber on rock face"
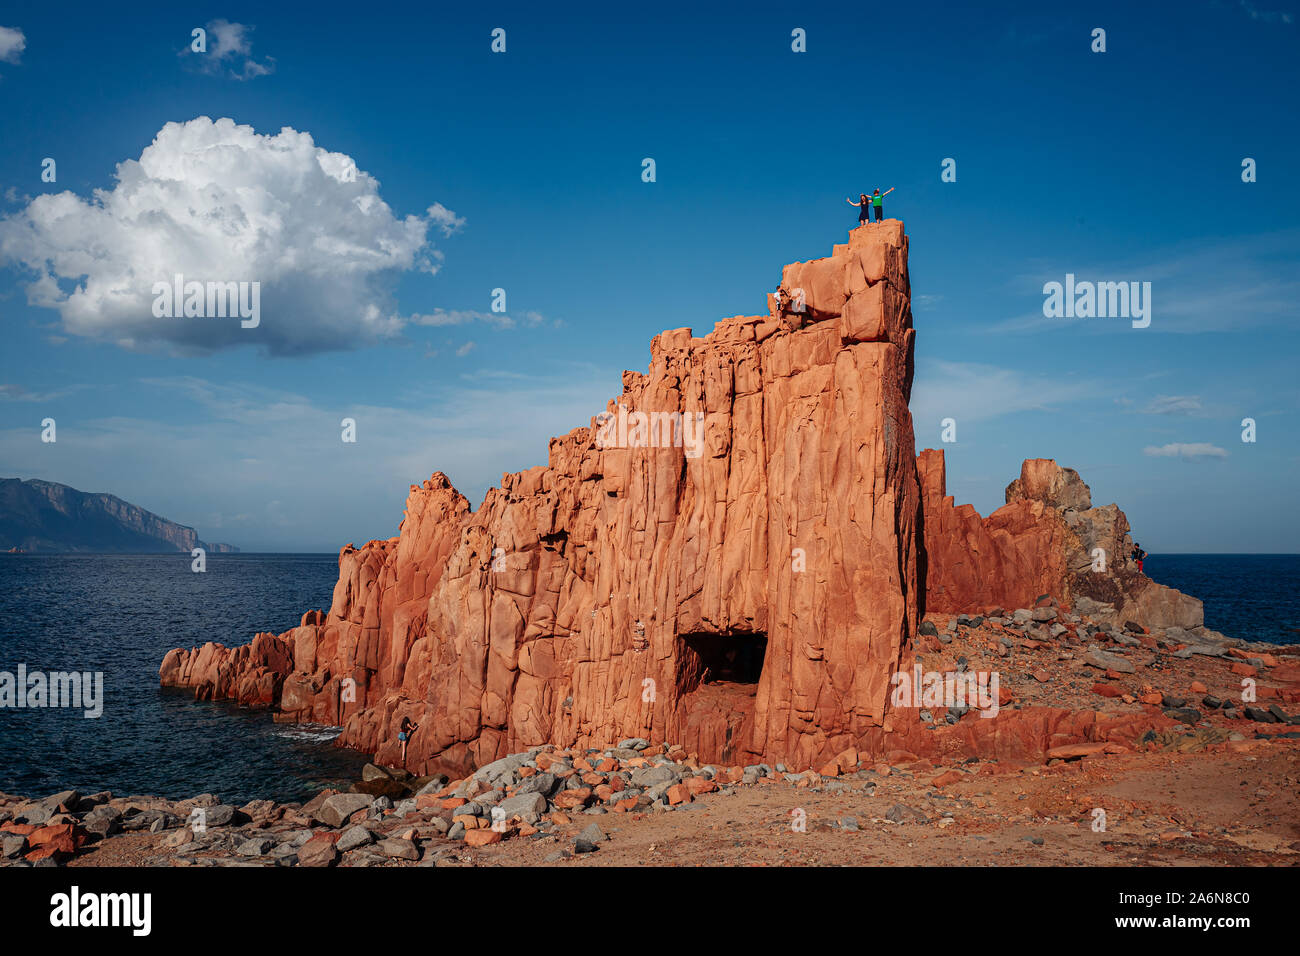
404 735
863 205
878 201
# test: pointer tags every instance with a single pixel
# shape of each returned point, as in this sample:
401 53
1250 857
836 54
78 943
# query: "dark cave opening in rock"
720 658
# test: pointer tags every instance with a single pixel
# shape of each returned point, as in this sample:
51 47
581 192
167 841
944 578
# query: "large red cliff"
734 556
737 572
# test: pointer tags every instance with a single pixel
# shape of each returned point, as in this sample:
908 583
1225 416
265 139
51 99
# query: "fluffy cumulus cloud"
12 43
1191 450
216 202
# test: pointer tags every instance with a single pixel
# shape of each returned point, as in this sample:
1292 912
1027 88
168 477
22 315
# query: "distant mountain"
44 516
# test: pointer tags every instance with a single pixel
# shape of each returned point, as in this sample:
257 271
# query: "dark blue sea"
119 614
1254 597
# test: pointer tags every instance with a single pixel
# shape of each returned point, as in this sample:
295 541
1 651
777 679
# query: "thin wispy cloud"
1173 405
973 391
241 430
18 393
1189 450
1196 287
1266 16
445 317
1033 31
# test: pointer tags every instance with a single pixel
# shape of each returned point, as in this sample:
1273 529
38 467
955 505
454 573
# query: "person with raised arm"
863 205
878 201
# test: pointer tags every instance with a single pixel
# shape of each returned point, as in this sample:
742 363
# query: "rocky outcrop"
1047 539
44 516
730 557
335 665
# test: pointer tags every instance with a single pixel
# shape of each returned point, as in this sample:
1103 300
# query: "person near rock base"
404 735
878 201
864 206
1139 556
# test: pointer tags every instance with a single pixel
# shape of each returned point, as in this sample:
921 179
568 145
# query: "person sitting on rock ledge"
863 205
404 735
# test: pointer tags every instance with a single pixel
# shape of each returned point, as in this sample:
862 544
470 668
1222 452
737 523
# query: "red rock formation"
746 590
974 564
729 560
337 665
1047 539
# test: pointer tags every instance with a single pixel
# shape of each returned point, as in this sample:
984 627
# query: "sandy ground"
1161 810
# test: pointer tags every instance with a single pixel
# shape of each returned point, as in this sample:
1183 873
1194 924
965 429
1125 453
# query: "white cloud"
218 202
18 393
465 350
445 219
1218 285
442 317
1185 450
230 51
970 392
1173 405
12 44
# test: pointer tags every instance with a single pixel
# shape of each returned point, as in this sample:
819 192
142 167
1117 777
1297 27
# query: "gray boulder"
257 846
335 811
354 837
399 849
524 805
1096 657
103 821
650 776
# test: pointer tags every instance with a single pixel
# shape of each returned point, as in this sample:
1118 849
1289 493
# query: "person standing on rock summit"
864 205
878 201
404 735
1139 556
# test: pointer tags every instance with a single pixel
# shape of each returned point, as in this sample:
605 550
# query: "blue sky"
522 171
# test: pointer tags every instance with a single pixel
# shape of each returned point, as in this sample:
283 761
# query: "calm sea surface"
120 613
1254 597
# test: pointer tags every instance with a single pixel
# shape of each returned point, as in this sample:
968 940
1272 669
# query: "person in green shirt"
878 201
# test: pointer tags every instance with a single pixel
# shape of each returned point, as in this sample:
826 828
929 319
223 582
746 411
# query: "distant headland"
45 517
